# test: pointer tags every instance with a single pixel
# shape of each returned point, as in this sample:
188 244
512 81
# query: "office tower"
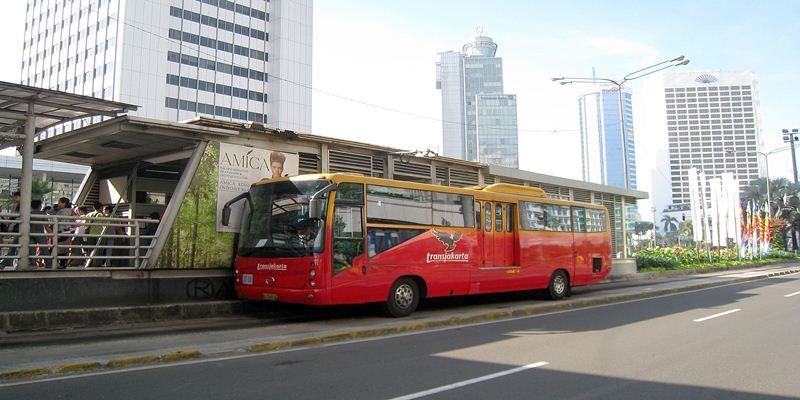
243 60
479 121
601 137
712 124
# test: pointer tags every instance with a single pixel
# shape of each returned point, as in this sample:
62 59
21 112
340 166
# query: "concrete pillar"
25 189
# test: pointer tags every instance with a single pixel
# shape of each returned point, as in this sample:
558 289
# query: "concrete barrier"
623 266
79 289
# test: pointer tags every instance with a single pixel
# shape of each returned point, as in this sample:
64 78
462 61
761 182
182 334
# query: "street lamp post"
791 137
629 77
766 168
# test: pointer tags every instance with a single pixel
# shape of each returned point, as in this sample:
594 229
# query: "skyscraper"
245 60
601 137
712 124
479 120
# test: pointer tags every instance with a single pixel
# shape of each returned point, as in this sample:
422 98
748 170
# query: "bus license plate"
247 279
270 296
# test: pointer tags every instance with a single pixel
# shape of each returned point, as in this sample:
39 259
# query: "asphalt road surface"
738 341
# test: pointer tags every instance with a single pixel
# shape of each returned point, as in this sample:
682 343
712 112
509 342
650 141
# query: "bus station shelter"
179 170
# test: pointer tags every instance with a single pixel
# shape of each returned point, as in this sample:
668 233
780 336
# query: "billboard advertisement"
241 166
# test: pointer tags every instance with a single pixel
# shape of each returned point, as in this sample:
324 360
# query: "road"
737 341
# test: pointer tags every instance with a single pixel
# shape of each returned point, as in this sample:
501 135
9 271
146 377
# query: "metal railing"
74 241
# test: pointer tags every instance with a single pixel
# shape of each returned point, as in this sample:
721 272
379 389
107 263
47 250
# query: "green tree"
39 188
642 227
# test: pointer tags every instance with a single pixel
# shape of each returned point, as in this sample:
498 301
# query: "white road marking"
792 294
469 382
718 315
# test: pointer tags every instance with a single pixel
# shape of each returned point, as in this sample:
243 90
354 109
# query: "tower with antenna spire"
479 121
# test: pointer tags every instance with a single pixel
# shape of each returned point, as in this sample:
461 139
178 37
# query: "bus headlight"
313 272
312 283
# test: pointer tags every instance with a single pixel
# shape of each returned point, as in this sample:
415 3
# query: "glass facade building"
496 121
242 60
602 158
469 81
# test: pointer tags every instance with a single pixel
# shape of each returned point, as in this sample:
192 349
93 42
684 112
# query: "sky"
374 67
382 55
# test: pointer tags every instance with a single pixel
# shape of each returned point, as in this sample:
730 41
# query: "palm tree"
670 223
779 188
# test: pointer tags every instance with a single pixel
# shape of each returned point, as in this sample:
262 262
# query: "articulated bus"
348 239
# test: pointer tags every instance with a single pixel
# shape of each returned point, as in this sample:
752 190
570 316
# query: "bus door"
498 269
479 261
348 261
503 235
583 267
511 239
488 234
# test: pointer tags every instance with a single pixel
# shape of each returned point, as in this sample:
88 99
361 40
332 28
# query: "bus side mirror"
226 215
226 210
316 208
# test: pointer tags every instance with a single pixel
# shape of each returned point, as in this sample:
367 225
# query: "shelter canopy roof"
50 108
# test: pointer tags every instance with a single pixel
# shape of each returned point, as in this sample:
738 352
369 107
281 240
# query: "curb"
339 337
89 366
652 275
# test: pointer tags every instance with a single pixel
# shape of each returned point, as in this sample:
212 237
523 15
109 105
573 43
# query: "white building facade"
713 123
237 60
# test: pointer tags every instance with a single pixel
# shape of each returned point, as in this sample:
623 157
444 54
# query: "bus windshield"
276 222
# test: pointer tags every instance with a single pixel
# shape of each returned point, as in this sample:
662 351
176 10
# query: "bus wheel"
559 285
403 298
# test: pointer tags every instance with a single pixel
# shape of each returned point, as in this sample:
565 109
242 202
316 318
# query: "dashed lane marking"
718 315
469 381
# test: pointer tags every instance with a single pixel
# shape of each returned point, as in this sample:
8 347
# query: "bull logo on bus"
449 240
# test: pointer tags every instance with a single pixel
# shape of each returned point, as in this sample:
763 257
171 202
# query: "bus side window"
348 231
478 215
510 218
498 217
488 216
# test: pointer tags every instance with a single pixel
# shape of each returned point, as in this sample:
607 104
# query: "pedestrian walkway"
33 354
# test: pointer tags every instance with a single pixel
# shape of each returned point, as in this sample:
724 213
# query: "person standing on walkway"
12 227
108 240
38 239
65 228
92 229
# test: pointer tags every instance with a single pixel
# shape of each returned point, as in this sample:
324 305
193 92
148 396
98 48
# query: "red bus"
348 239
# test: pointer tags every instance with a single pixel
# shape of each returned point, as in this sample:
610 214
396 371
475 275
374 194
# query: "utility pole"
791 137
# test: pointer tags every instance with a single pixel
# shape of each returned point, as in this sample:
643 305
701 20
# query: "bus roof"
502 189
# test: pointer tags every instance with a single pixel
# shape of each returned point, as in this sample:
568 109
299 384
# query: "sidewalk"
38 354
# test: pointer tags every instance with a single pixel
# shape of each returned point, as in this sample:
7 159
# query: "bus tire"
403 298
559 285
